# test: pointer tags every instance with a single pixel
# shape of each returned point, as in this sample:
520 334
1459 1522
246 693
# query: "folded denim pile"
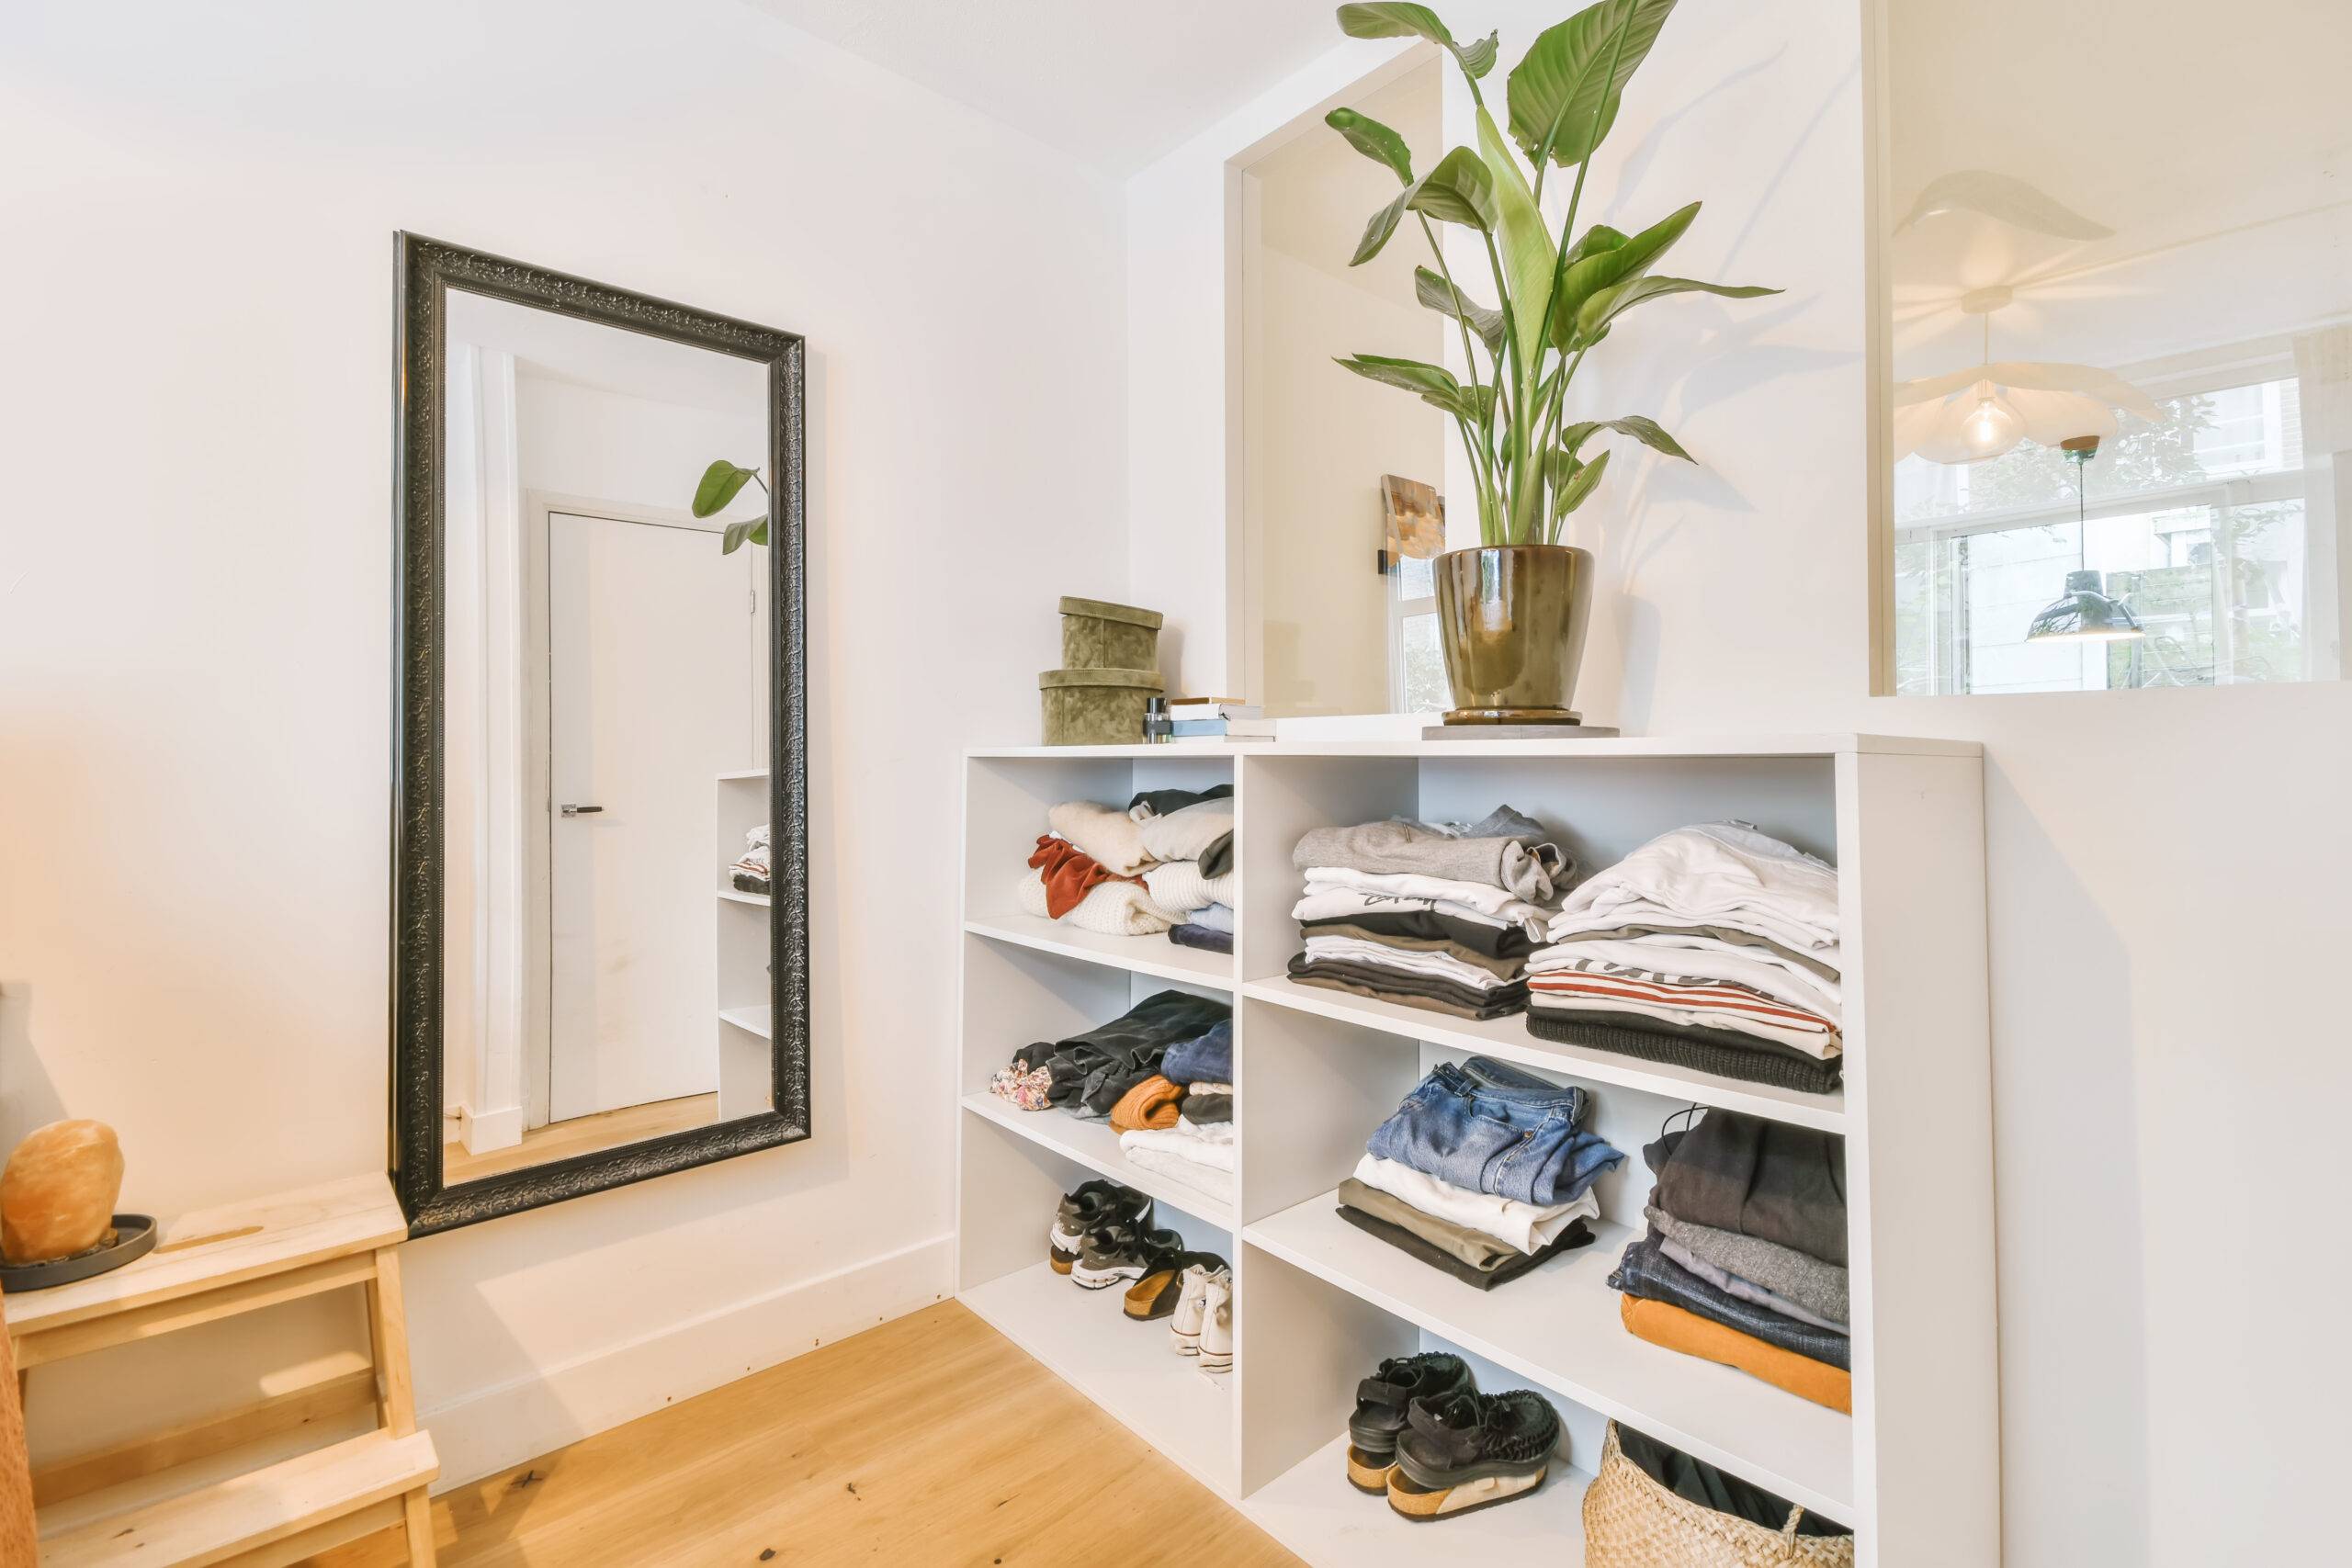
1712 947
1745 1259
1095 1073
1485 1172
1192 1141
750 875
1436 916
1163 865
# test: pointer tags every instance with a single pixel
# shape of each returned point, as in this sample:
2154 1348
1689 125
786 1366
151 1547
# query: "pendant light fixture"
2084 613
1969 416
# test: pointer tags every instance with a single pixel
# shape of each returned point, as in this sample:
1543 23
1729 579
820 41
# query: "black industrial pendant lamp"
2084 613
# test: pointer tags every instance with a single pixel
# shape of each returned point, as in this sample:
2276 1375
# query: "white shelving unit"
746 1063
1913 1470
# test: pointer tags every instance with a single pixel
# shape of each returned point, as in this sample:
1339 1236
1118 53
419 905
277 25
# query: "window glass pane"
1413 579
2213 565
1421 668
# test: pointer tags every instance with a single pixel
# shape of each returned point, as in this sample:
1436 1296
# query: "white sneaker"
1184 1328
1217 1322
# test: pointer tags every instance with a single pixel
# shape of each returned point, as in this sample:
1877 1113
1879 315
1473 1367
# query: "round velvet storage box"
1100 636
1096 707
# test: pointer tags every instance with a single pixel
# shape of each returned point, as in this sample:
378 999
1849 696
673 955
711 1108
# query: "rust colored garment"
1155 1102
1664 1324
1070 874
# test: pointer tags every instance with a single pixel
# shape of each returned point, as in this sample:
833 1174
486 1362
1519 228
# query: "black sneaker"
1117 1254
1093 1204
1381 1402
1472 1450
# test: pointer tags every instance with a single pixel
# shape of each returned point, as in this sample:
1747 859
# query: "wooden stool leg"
416 1514
395 1394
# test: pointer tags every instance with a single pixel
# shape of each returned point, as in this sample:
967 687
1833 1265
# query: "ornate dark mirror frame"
424 270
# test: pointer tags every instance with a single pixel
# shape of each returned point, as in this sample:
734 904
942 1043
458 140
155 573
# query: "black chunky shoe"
1120 1255
1381 1403
1093 1204
1472 1450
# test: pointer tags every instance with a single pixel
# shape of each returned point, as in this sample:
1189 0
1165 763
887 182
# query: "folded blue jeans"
1487 1127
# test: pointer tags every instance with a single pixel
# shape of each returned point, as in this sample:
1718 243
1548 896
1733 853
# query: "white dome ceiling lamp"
1969 416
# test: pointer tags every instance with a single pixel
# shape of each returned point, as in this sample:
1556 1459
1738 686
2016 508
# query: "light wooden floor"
581 1135
928 1442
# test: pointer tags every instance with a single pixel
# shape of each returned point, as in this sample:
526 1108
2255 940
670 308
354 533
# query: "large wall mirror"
600 950
2114 246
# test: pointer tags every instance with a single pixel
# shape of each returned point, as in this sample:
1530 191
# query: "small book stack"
1216 720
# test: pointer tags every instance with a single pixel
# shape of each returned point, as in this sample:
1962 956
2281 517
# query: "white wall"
196 635
2166 867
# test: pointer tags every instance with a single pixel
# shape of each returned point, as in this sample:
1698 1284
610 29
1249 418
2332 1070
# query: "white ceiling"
1117 84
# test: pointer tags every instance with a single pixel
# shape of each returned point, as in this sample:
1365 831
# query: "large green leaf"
1569 492
1641 428
1374 140
1529 256
753 530
719 483
1595 314
1563 94
1446 299
1459 190
1399 20
1609 264
1435 384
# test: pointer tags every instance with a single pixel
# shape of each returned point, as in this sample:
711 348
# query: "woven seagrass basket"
1631 1521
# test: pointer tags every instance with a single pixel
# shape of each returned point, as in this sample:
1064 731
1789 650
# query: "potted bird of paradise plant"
1513 612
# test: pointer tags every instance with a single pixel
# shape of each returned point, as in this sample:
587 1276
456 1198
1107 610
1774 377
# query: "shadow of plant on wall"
1557 298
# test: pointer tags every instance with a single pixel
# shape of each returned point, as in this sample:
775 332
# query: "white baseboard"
488 1431
483 1131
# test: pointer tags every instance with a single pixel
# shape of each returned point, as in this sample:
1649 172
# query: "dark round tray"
135 1236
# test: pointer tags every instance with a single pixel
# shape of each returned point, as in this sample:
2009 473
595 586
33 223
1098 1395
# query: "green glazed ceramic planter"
1512 622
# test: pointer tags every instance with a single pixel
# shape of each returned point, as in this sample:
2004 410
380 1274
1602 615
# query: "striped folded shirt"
1694 1000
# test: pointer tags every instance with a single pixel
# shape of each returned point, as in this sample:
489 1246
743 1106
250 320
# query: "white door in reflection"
650 663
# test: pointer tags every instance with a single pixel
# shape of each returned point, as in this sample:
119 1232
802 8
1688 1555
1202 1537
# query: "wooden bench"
216 1264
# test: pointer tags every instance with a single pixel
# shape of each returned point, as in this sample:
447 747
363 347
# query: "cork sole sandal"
1366 1474
1418 1502
1153 1296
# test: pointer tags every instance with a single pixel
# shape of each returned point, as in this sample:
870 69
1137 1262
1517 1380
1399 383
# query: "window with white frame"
1416 667
2198 521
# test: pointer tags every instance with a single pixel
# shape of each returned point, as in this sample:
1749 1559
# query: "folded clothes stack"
1093 1073
750 875
1436 916
1193 1143
1149 869
1745 1259
1483 1171
1190 833
1712 947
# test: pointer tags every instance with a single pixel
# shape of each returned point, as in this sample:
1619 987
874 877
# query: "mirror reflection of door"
604 702
649 698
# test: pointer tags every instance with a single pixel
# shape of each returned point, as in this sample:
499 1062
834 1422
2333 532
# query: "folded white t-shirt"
1722 874
1528 1226
1752 967
1437 966
1494 901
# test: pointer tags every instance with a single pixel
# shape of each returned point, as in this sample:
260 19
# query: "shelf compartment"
759 1020
1560 1327
1094 1146
733 896
1152 955
1127 1368
1312 1510
1508 1039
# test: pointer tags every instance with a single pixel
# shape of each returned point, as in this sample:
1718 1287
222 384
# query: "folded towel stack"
1745 1259
750 875
1485 1171
1713 947
1440 917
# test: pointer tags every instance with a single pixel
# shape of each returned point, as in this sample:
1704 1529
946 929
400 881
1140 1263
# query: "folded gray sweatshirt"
1387 849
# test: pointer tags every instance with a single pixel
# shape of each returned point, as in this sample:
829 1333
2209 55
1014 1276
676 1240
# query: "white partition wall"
1318 1304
